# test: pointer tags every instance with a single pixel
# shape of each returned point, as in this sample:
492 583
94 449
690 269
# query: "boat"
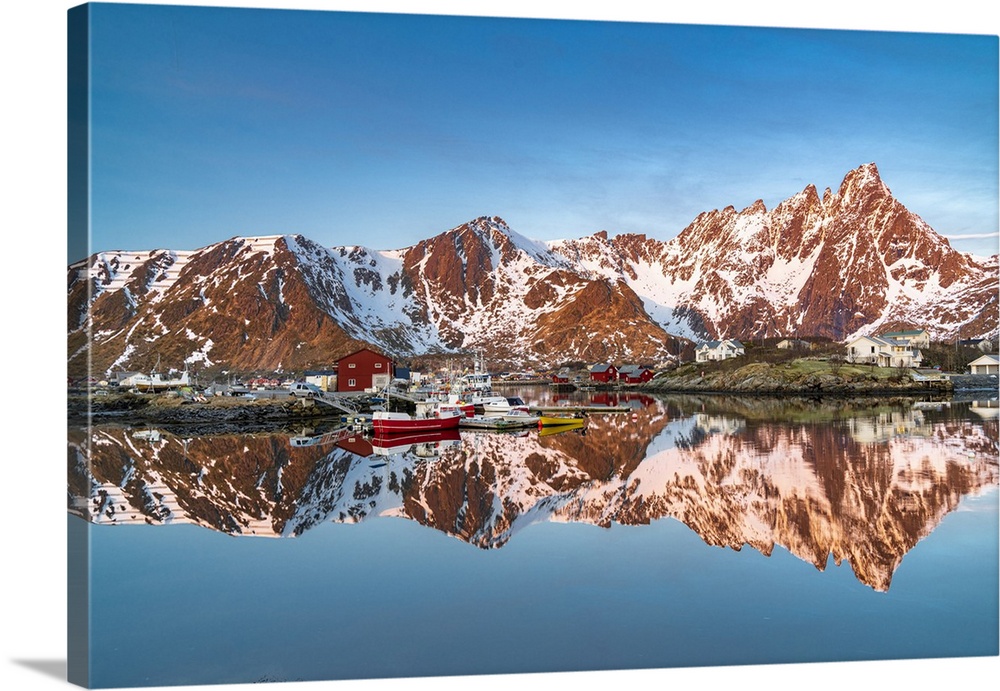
439 403
504 404
157 382
522 417
556 420
479 382
387 422
484 422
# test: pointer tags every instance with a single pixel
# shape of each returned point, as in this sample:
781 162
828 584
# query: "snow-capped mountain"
851 262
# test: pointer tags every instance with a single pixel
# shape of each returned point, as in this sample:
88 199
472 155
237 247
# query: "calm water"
688 532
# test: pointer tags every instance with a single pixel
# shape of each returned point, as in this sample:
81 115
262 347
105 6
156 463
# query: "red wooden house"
560 377
635 374
603 373
363 370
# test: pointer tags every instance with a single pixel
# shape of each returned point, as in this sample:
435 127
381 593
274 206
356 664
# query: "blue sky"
381 129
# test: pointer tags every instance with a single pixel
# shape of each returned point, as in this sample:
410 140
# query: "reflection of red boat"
383 444
384 422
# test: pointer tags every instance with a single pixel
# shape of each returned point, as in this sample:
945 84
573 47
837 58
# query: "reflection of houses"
884 352
987 364
917 338
708 351
603 373
885 426
989 410
362 370
719 424
634 374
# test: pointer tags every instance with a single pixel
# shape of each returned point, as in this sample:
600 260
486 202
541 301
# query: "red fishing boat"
385 422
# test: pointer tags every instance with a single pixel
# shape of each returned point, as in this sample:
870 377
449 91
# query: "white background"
34 229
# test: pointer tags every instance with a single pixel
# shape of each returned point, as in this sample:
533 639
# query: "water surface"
687 532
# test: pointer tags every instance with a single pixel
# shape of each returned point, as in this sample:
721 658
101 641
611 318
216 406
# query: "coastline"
164 409
804 377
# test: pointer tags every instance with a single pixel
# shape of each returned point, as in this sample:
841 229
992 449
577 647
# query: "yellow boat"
560 429
554 420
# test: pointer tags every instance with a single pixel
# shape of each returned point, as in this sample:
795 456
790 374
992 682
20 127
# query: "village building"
634 374
987 364
884 352
326 380
604 373
363 370
561 377
709 351
984 344
917 338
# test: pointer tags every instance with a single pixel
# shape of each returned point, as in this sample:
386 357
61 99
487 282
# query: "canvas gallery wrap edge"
751 333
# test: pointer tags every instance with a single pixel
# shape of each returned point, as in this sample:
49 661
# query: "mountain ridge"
833 265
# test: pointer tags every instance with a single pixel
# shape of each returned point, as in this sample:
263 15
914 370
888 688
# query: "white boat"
504 404
495 422
156 382
438 403
522 418
477 383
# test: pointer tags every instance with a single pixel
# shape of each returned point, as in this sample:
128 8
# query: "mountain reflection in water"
862 484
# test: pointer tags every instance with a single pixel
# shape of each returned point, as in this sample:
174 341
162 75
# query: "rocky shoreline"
788 379
219 411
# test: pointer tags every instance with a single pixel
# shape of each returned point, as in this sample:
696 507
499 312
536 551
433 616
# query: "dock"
588 409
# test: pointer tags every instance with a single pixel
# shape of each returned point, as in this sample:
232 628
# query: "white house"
884 352
918 338
708 351
987 364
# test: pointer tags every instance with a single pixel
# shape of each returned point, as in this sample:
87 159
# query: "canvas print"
407 345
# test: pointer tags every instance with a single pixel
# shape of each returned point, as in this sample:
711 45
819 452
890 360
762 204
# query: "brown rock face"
488 289
227 305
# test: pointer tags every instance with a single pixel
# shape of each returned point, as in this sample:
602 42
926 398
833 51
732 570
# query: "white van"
301 388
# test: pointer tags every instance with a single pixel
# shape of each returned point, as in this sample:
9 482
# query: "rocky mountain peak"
863 187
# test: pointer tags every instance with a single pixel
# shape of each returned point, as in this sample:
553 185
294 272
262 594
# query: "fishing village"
368 391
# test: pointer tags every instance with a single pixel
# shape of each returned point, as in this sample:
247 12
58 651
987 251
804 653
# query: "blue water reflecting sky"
388 597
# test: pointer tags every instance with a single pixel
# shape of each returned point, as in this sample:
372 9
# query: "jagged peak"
866 179
486 223
758 207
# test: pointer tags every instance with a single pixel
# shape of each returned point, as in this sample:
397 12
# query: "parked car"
304 389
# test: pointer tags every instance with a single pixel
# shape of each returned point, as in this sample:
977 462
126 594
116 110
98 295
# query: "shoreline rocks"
172 410
787 379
